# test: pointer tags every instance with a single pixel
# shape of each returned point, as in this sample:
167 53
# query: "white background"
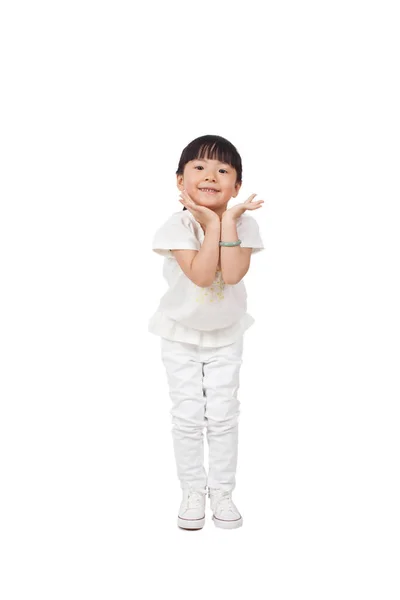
98 101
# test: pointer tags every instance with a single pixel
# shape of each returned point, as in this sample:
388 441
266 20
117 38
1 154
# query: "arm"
235 261
201 265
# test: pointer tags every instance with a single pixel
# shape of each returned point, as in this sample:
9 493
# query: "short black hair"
213 147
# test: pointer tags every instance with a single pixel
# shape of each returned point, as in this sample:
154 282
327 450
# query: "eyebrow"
221 163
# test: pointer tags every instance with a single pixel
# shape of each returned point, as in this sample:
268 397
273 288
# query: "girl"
201 320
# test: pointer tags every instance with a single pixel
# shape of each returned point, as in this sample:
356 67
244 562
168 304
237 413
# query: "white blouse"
213 316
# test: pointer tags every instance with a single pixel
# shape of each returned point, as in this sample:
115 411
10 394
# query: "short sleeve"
249 232
176 234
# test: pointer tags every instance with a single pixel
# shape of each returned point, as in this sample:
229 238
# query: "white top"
213 316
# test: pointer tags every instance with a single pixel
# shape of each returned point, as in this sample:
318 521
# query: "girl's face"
209 182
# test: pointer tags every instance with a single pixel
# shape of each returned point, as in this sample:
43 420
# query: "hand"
205 216
236 211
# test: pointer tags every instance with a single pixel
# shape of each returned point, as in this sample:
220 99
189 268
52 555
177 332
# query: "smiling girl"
201 320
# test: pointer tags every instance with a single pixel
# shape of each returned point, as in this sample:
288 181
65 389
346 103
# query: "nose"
209 177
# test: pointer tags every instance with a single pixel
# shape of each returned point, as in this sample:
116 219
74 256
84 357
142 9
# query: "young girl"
201 320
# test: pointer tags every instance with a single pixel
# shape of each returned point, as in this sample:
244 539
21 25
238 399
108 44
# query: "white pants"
203 384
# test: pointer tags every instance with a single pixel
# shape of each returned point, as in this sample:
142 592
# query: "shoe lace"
195 497
223 498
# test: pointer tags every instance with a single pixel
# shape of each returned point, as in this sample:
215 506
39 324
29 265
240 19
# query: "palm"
201 213
237 210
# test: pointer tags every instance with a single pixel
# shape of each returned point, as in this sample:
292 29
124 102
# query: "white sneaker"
192 510
225 513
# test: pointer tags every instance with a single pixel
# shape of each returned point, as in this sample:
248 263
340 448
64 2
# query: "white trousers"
203 385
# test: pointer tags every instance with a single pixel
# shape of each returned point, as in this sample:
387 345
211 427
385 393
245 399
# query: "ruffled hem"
165 327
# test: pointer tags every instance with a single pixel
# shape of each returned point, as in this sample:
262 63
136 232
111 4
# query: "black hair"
213 147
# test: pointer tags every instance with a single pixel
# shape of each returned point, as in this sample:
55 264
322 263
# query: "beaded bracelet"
230 243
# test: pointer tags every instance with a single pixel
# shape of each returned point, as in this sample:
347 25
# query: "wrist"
229 217
213 225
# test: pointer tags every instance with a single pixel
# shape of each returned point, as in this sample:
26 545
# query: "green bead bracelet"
230 243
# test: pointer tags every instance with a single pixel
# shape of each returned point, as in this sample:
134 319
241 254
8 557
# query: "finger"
192 203
189 205
257 202
189 202
187 196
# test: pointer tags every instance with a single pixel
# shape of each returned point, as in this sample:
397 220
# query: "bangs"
216 151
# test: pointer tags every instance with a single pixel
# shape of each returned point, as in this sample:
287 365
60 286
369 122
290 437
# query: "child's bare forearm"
233 264
205 263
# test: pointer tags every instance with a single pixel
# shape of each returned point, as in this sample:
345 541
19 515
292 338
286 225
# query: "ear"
179 182
237 188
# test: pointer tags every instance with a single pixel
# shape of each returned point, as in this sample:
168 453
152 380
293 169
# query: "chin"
203 202
209 202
